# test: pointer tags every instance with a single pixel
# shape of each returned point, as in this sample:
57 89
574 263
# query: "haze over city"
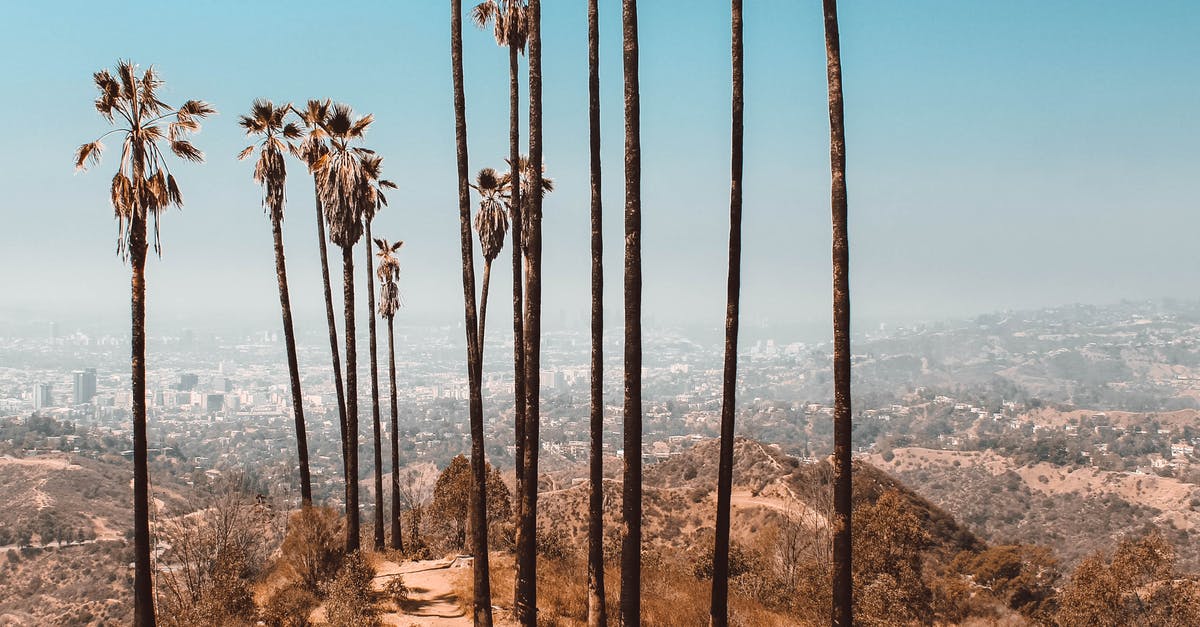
675 315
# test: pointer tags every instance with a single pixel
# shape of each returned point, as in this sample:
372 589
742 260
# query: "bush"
312 551
289 606
396 590
348 595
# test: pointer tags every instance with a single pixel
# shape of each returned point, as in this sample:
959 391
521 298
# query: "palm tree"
597 612
142 188
491 224
389 302
842 592
510 27
342 185
631 497
314 151
719 610
526 589
373 200
478 511
268 121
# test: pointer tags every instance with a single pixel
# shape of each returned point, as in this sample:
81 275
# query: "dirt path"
431 600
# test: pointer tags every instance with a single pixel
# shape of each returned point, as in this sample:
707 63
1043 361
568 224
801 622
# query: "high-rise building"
85 386
43 396
188 381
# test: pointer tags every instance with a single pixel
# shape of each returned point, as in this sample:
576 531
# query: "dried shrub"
348 596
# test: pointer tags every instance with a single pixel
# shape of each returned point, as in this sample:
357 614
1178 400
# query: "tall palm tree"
389 302
478 511
719 610
142 188
510 27
314 151
373 200
269 122
491 225
843 612
341 183
526 588
631 497
597 611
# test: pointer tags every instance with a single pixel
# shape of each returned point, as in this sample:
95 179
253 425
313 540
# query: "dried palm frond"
143 185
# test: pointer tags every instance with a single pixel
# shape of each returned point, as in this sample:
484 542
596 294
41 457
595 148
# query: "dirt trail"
431 600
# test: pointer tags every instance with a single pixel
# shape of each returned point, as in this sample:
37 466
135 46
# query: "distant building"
214 403
84 389
43 396
188 381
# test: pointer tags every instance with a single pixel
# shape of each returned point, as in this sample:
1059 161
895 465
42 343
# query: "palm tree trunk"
518 240
143 587
719 612
339 388
526 591
631 497
482 586
378 441
397 539
483 302
352 522
289 337
597 611
842 589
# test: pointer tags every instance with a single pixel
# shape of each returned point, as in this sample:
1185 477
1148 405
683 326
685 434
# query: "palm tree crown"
509 19
388 273
491 222
525 170
341 174
143 185
268 121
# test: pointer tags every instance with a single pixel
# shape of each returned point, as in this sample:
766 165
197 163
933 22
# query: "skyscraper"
85 386
43 396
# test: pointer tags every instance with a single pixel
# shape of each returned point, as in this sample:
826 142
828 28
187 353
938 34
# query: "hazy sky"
1001 154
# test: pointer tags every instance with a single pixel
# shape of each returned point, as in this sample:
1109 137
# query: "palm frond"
245 152
185 150
88 154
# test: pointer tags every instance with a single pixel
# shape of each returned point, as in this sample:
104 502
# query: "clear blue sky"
1001 154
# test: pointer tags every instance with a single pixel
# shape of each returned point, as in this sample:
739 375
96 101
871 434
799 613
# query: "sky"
1000 155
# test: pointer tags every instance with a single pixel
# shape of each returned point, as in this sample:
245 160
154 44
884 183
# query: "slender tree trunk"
378 441
339 388
843 613
526 602
518 245
143 586
289 336
631 498
352 514
483 302
482 611
719 612
597 611
397 539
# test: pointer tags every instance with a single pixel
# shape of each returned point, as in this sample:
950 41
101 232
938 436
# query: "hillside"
62 538
1076 510
679 500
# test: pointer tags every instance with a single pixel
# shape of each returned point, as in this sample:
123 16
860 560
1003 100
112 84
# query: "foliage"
289 606
1136 585
214 555
448 512
348 596
312 550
